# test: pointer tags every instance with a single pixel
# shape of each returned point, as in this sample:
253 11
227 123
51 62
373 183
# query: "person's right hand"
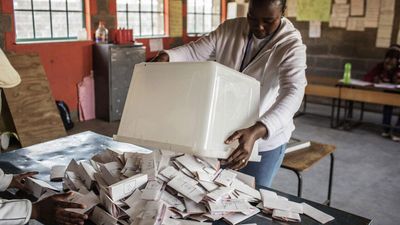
161 57
18 180
51 210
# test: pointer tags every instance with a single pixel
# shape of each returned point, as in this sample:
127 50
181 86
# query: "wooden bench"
302 160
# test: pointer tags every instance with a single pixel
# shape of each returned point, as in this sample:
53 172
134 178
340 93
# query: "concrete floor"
367 172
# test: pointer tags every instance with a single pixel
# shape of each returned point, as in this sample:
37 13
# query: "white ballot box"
188 107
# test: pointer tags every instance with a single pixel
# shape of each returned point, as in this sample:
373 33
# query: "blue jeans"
265 170
387 119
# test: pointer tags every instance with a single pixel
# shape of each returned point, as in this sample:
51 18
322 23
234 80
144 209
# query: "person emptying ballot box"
267 47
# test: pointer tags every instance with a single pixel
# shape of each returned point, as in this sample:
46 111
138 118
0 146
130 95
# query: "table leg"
333 113
328 201
300 184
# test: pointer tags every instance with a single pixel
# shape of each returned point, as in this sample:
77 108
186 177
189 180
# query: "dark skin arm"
18 180
51 210
246 137
161 57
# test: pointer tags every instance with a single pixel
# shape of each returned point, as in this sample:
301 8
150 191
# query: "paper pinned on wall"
385 25
156 44
291 8
175 18
372 13
310 10
357 7
340 14
315 29
355 24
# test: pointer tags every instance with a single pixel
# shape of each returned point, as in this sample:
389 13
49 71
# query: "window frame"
66 11
203 14
139 12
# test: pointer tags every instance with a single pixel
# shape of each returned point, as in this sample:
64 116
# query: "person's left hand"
51 210
18 180
246 137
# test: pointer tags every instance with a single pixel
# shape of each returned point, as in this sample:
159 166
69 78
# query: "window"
203 16
37 20
145 17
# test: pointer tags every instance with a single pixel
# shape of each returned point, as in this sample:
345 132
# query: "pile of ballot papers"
167 188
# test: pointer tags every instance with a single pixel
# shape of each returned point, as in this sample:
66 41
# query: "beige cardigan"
280 68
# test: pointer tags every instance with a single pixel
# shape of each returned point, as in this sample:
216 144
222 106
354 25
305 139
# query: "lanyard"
248 48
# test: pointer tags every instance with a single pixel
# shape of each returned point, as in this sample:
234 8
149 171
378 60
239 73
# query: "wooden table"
363 94
84 145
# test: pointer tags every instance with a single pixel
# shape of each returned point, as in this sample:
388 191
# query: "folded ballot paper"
166 188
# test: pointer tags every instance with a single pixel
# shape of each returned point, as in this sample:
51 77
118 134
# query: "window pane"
190 6
199 6
75 5
23 25
133 5
207 23
199 23
121 5
22 4
42 24
58 4
145 19
145 5
217 6
75 23
158 23
134 23
59 20
40 4
158 5
216 21
190 23
121 20
208 6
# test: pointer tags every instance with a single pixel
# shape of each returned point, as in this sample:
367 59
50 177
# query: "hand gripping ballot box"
188 107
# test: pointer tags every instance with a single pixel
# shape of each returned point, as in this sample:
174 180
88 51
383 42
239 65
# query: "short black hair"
282 3
393 52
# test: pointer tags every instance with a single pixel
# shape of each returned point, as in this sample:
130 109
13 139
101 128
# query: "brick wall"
327 55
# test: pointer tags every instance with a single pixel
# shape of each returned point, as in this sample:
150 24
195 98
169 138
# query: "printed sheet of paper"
355 24
229 205
126 187
190 163
156 44
316 214
187 188
57 173
152 192
385 24
315 29
357 7
244 188
291 8
235 218
172 201
225 178
101 217
286 216
311 10
340 14
372 13
38 187
175 18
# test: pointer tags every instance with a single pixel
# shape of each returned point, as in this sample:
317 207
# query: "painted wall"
66 63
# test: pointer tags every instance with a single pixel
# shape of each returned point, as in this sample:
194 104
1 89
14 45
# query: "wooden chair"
302 160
